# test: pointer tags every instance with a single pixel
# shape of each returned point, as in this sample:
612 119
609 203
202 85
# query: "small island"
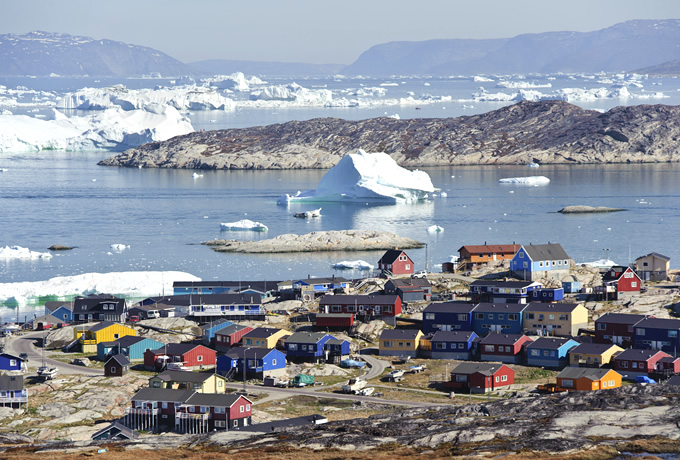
587 209
342 240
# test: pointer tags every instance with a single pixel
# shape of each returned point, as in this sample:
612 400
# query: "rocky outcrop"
543 132
587 209
342 240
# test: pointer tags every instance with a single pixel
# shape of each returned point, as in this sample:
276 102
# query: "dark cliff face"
546 132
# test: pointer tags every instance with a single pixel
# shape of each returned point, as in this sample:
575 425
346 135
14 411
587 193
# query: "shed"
116 366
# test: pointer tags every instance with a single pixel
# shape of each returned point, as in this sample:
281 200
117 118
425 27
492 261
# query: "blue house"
503 291
550 351
259 362
11 363
59 310
209 329
497 317
322 284
448 316
264 288
454 345
130 346
537 261
658 334
547 295
307 346
336 350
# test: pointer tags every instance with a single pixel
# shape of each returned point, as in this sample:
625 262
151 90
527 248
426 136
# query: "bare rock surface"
544 132
341 240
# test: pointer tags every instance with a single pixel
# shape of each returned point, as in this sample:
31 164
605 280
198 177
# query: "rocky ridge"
544 132
341 240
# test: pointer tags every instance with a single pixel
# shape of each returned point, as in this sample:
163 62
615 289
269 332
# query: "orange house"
588 379
482 254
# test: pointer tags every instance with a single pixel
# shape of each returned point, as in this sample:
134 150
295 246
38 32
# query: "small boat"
47 373
366 391
308 214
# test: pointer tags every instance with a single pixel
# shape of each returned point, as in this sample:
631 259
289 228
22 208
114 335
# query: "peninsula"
542 132
342 240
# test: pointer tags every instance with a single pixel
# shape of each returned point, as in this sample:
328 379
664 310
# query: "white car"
420 274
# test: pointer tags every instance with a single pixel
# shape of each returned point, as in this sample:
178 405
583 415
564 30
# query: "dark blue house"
448 316
259 362
505 318
307 346
658 334
547 295
11 363
322 284
454 345
498 291
336 350
550 351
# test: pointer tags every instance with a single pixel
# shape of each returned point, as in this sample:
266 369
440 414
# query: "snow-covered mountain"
623 47
44 53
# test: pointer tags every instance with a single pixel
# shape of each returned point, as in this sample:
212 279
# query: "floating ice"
480 79
18 252
352 265
293 93
529 180
244 225
119 247
601 263
137 284
435 229
195 175
443 194
368 177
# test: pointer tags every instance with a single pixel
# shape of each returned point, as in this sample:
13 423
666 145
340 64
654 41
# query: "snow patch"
368 177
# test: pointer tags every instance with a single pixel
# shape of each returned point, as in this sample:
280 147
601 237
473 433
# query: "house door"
495 328
377 309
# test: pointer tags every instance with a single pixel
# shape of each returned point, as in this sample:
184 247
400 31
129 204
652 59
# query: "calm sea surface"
65 198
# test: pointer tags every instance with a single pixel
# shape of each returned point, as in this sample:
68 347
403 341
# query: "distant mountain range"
622 47
647 46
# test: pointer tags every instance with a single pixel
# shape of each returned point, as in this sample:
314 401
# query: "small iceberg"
443 194
3 170
18 252
529 180
195 175
352 265
435 229
308 214
120 247
600 263
533 165
244 225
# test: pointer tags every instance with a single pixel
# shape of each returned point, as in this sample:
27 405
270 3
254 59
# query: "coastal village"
245 357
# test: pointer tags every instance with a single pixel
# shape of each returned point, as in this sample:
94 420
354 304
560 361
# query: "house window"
220 410
546 352
113 369
508 349
247 407
633 284
461 378
192 409
204 409
497 379
559 262
462 317
440 346
521 255
235 423
551 316
274 362
292 347
567 383
634 365
461 346
673 334
513 317
13 362
525 265
336 308
611 383
164 416
490 315
242 409
535 352
639 331
505 326
429 316
116 336
564 317
501 316
249 342
351 308
601 327
219 383
540 264
220 423
489 348
604 384
479 315
388 343
530 316
504 378
199 358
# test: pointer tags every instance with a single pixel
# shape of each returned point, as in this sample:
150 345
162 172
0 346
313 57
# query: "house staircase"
71 345
230 375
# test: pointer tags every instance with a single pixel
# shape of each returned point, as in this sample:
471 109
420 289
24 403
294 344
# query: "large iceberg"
134 284
368 177
114 129
529 180
352 265
244 225
19 252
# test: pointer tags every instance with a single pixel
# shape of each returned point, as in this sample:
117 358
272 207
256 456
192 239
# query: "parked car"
134 319
420 274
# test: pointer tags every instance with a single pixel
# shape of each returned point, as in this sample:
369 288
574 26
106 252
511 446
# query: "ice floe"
352 265
367 177
435 229
19 252
244 225
529 180
137 284
600 263
120 247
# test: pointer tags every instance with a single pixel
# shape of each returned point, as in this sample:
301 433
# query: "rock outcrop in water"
543 132
341 240
587 209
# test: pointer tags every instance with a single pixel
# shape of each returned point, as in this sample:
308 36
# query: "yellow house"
653 267
202 382
400 342
593 354
562 319
588 379
264 337
106 331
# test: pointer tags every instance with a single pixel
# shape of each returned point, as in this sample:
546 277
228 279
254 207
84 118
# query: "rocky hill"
621 47
544 132
44 53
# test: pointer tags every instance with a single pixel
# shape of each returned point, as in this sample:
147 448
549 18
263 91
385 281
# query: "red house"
187 411
617 328
363 306
229 336
507 348
335 320
396 262
190 355
634 362
668 366
480 377
622 281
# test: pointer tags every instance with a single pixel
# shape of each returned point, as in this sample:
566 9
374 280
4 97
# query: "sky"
313 31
